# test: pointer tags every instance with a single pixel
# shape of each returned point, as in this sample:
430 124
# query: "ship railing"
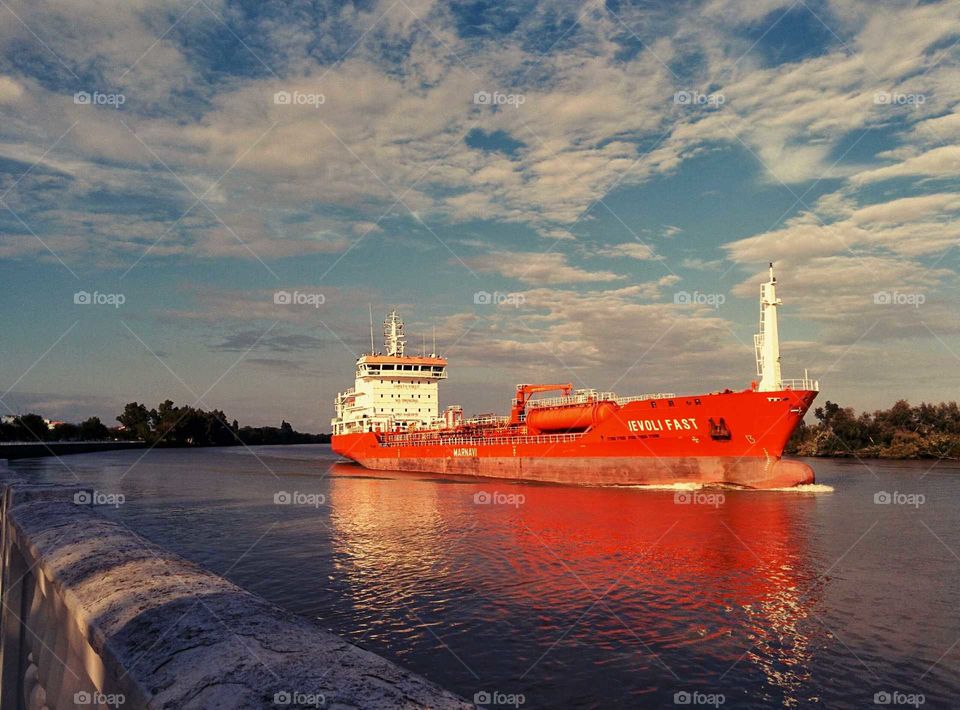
485 421
580 398
801 383
412 440
644 397
594 396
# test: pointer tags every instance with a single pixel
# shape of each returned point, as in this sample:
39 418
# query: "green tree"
32 427
93 429
66 432
136 420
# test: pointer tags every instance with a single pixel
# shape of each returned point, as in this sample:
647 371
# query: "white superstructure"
392 392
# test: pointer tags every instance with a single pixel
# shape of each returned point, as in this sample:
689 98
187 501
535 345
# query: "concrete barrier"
95 616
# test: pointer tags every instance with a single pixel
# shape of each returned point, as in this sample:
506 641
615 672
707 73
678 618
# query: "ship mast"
393 337
373 348
767 342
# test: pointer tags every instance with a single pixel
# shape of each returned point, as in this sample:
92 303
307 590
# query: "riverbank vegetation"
165 425
170 425
900 432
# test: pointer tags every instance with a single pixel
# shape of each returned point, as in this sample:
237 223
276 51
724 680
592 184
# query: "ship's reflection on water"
540 590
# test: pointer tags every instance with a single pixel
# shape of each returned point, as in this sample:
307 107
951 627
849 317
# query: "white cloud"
938 162
537 268
638 251
10 90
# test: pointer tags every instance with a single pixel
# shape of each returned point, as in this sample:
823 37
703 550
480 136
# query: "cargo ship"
391 420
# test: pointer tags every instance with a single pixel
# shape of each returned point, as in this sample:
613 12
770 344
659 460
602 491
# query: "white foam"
805 488
680 486
694 486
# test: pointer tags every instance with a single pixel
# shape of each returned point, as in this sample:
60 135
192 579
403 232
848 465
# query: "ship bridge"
392 391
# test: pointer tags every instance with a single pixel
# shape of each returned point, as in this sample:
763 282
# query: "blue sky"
592 163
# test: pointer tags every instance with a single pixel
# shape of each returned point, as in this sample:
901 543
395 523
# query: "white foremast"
766 343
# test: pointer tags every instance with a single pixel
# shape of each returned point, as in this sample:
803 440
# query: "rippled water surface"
580 597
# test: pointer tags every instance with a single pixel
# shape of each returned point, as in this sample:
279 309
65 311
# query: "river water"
548 596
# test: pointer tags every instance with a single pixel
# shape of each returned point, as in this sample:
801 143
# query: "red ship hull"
734 438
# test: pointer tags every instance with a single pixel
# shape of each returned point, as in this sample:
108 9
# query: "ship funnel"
766 343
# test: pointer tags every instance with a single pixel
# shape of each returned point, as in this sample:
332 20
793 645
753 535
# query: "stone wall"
95 616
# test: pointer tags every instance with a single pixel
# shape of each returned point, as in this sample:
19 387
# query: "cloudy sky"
615 175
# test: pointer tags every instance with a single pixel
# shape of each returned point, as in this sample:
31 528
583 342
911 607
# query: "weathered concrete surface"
103 610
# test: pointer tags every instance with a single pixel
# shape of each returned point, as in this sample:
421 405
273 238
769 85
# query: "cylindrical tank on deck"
569 419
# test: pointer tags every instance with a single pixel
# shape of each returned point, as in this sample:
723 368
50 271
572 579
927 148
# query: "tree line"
900 432
33 427
165 425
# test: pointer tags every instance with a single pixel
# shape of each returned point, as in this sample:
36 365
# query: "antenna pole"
434 341
371 328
